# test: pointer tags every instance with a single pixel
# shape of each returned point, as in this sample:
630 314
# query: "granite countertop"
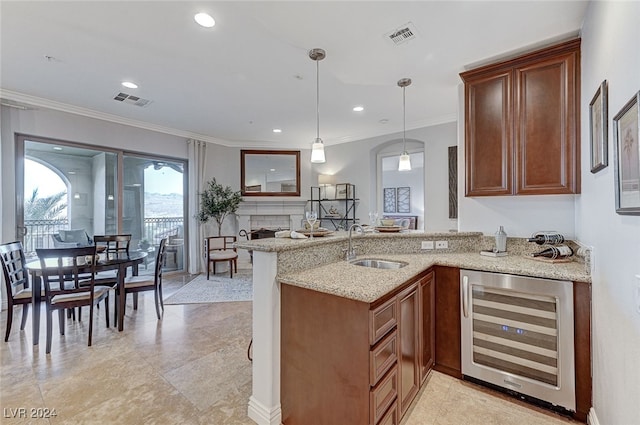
287 244
369 284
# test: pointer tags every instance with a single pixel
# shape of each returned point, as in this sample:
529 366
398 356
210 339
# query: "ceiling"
234 83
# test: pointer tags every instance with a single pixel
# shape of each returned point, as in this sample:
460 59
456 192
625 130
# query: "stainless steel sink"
379 264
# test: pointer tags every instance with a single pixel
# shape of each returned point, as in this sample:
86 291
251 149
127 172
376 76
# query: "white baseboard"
262 415
592 419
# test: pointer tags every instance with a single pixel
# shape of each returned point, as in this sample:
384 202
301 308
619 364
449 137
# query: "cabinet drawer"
391 417
383 395
381 320
383 356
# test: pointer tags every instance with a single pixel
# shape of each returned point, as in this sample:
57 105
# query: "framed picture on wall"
344 191
389 199
403 199
598 116
626 148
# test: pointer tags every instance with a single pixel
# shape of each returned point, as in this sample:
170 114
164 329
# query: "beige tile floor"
189 368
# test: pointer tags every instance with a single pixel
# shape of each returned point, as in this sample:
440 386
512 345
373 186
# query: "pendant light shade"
405 161
317 148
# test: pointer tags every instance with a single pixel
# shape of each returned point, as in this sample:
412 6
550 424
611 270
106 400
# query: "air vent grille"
402 34
132 100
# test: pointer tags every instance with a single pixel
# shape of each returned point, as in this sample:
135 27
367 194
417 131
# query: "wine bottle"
555 252
548 238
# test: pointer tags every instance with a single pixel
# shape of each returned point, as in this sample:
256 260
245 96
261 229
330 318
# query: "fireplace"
262 234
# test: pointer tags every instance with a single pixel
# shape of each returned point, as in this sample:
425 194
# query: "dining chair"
63 271
112 246
16 279
221 249
136 284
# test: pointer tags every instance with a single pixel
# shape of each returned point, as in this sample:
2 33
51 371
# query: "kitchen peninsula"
317 265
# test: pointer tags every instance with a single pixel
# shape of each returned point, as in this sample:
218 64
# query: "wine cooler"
517 333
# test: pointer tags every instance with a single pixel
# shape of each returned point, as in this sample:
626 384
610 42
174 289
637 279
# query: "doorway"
401 194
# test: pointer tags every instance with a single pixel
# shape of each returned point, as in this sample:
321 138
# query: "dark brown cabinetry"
522 124
582 347
427 325
447 328
408 359
345 361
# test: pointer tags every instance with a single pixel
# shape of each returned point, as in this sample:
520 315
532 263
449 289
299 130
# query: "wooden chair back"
16 279
16 276
67 270
115 244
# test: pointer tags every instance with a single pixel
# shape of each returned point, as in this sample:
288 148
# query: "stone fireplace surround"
269 214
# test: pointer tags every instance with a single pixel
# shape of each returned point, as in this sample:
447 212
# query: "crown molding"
29 102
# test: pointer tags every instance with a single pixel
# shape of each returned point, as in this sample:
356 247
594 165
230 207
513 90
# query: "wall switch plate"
442 244
427 245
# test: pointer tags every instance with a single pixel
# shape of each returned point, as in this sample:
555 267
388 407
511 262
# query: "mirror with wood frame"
269 173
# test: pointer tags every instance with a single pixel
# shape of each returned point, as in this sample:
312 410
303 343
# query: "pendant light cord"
317 99
404 122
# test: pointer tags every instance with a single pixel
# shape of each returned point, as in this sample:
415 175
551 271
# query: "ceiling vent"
402 34
132 100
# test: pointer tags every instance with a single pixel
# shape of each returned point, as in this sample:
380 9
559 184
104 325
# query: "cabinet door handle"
465 296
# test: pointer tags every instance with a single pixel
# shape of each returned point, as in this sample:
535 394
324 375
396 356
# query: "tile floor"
189 368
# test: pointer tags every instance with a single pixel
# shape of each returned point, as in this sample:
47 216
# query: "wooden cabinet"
582 348
522 125
448 354
408 352
427 324
345 361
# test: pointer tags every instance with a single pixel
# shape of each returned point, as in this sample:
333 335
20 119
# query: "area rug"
217 289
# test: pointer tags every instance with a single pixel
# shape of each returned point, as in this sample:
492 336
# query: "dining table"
119 262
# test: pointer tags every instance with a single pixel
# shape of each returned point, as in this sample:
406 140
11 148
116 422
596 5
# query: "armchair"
221 249
71 239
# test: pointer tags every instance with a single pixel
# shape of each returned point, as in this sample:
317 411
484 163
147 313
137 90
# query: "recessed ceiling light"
204 19
72 172
277 130
129 85
57 148
383 121
358 108
272 169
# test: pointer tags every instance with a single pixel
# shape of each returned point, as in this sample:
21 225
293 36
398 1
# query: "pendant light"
317 148
405 161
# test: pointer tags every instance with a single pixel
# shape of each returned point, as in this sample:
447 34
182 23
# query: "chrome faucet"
350 253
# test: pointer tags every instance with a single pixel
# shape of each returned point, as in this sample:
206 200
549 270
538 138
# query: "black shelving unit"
346 206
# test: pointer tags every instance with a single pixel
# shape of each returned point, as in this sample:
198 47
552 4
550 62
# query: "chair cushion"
24 293
222 255
138 281
98 292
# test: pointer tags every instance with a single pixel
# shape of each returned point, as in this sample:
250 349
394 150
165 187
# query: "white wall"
611 51
355 162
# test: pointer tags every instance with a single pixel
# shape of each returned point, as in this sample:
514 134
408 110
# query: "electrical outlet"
442 244
427 245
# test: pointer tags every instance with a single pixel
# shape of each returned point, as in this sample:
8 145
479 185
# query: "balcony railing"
39 232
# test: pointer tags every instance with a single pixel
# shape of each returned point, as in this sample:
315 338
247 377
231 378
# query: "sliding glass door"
71 189
154 206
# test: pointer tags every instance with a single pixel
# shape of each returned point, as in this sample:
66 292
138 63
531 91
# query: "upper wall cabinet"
522 128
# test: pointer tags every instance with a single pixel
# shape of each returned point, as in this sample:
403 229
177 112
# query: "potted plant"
217 201
144 244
